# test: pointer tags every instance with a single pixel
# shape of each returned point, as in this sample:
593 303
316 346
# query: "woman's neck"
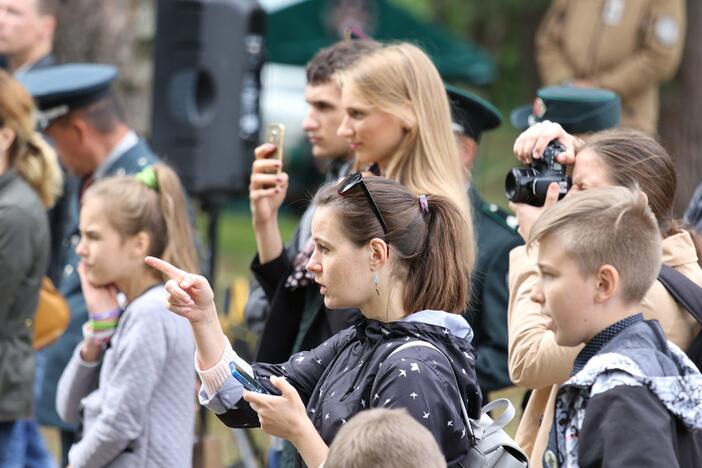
388 306
135 285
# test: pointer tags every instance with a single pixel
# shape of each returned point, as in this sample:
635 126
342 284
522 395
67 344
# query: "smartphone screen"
246 379
275 134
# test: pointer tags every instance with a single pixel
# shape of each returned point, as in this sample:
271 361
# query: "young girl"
391 254
616 157
130 381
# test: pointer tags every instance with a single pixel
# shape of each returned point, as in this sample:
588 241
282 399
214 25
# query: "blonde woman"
30 181
396 115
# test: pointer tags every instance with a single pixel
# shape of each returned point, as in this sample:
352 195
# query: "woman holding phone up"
397 120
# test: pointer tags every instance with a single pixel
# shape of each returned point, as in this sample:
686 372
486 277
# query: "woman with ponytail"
130 381
393 255
30 181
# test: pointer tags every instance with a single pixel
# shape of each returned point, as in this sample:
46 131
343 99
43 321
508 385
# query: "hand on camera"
267 187
533 141
189 295
528 214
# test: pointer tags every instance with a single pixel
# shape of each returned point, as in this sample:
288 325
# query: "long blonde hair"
33 158
401 80
160 211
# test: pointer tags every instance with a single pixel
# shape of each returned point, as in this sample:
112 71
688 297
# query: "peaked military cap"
578 110
471 114
59 90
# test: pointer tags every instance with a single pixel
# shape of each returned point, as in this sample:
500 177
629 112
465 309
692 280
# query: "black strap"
685 292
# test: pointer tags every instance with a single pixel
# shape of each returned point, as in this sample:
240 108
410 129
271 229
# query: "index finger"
166 268
258 398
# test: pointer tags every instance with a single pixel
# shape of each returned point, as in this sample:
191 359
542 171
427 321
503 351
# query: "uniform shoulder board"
501 216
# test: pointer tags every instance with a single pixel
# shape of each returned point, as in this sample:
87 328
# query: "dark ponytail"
433 246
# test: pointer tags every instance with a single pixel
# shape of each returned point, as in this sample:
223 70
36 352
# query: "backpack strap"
685 292
426 344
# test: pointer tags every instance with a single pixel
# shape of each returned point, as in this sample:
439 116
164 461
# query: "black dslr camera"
530 184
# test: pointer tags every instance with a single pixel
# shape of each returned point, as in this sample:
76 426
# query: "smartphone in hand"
275 134
246 379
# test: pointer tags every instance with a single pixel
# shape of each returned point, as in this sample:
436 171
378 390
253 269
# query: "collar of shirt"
601 339
125 144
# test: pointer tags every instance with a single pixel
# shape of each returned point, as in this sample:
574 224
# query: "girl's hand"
281 416
267 188
533 141
97 298
527 214
189 295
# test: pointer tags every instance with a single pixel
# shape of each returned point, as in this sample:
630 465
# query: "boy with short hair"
384 438
633 398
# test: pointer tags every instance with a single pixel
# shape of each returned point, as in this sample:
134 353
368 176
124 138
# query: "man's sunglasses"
351 181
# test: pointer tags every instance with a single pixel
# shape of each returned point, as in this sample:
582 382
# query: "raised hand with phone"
267 189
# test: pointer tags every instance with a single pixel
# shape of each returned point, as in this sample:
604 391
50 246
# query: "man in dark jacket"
496 235
86 125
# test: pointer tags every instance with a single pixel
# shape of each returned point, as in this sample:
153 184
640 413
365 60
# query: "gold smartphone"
276 134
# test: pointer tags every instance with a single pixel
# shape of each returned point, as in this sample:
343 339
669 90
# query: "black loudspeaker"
207 65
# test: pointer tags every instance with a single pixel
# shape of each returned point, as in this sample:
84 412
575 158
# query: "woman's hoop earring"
376 282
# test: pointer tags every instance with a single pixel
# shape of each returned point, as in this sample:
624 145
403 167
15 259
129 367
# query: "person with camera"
627 158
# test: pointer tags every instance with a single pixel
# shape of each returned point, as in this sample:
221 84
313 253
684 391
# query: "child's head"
599 253
384 438
125 218
421 259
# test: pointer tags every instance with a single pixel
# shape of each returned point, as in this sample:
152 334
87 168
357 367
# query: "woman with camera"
30 182
614 157
391 254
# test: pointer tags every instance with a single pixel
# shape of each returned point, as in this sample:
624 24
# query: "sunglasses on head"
355 179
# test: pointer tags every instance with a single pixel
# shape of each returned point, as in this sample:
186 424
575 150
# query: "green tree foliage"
505 28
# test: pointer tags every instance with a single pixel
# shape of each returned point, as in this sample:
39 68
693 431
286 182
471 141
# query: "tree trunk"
109 31
680 122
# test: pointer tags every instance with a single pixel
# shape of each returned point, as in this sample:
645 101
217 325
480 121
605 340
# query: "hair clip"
148 177
423 204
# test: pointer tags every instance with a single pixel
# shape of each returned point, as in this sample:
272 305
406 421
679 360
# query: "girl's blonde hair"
159 209
401 80
33 158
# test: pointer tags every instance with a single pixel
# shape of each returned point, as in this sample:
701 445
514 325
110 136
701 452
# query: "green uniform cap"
471 114
578 110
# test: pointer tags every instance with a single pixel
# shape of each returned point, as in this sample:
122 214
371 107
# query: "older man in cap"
81 116
496 236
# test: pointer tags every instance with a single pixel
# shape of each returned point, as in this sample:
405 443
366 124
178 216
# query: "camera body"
530 184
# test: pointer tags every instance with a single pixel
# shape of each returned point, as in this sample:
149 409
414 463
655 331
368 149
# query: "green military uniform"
627 46
496 235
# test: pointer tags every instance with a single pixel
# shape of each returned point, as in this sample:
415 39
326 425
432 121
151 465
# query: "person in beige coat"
613 157
627 46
